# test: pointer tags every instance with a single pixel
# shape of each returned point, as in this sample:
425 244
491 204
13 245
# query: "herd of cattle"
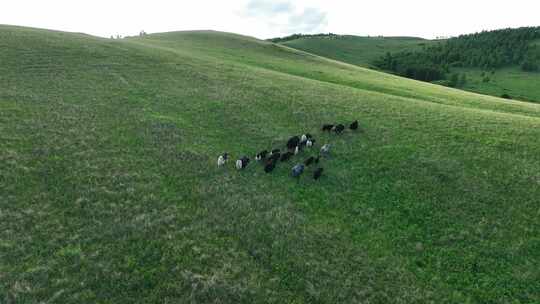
295 145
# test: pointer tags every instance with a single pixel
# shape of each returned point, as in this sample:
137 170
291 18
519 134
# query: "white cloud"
309 21
268 7
284 17
270 18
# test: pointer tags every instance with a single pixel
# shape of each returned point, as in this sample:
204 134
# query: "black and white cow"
242 163
261 155
222 159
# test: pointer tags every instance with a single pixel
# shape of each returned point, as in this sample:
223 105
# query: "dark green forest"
488 50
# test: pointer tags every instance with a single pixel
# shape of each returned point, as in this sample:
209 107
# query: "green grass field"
512 81
110 193
356 50
362 51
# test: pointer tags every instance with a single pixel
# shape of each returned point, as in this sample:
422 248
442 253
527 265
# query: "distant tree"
529 65
462 80
506 96
454 80
298 36
487 50
445 68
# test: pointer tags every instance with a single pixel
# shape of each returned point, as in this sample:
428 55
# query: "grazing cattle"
222 159
293 142
308 136
297 170
269 167
317 174
245 161
285 156
354 125
274 157
309 161
297 150
261 155
327 127
339 128
274 152
325 150
310 142
242 163
303 138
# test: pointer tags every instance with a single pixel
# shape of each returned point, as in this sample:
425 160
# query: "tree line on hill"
298 36
488 50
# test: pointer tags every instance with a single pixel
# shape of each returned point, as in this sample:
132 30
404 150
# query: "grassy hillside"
357 50
109 190
512 81
363 51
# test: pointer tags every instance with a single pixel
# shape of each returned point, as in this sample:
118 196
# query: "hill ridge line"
407 98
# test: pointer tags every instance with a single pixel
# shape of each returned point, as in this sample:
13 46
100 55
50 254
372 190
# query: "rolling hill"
364 51
110 193
358 50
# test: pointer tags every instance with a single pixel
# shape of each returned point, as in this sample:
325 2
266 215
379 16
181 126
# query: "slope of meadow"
364 51
512 81
109 190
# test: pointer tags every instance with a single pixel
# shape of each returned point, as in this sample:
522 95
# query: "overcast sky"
267 18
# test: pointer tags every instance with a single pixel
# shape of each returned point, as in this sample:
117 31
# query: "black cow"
317 174
269 167
327 127
293 142
274 157
285 156
354 125
339 128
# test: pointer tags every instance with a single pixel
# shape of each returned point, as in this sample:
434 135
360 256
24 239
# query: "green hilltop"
358 50
110 193
498 63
